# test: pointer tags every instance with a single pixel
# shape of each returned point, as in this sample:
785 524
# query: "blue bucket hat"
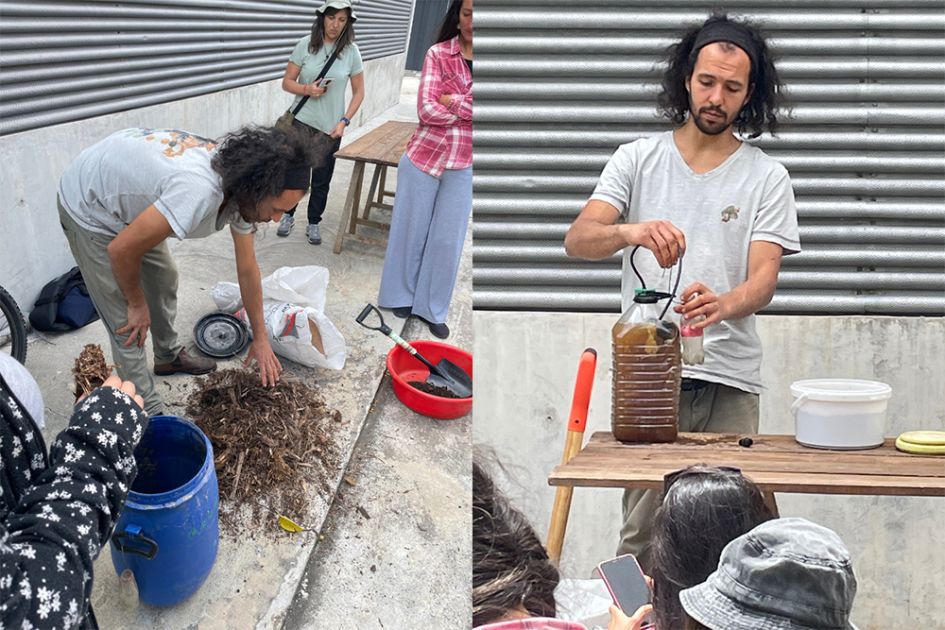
338 4
786 574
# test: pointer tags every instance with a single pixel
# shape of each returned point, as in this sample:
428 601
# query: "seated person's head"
704 508
787 573
512 575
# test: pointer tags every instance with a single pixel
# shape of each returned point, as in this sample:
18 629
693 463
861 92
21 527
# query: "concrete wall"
525 369
33 249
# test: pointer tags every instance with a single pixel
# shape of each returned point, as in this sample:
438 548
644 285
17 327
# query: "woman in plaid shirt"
434 182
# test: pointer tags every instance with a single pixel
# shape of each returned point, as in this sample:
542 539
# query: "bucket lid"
220 335
841 389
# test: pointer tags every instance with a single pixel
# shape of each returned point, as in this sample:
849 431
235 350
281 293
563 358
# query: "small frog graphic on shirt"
729 213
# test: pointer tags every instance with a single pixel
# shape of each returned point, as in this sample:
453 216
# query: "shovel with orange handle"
577 422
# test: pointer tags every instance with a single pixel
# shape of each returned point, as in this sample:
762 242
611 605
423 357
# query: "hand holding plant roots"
90 370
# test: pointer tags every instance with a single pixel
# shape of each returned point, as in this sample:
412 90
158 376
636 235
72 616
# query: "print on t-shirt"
729 213
177 141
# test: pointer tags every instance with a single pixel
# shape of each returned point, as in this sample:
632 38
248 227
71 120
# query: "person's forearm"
292 86
126 268
251 291
747 298
356 99
461 105
592 240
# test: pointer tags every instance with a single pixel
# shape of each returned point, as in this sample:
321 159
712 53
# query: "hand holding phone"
325 82
625 581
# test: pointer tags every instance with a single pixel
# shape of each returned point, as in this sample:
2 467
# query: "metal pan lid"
220 335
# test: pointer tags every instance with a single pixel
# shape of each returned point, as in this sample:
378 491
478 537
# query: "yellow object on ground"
922 442
289 525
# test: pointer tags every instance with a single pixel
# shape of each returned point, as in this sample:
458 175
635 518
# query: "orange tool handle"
577 420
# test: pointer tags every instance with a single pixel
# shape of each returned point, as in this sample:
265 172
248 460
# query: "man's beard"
711 128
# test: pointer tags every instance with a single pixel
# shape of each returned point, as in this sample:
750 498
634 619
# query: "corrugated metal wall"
560 84
68 60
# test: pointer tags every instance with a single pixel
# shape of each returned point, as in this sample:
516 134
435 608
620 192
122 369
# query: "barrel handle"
133 532
797 404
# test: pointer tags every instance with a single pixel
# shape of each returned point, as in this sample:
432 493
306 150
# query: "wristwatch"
347 122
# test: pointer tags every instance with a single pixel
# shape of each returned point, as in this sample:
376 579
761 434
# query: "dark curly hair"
767 97
318 32
252 161
704 510
510 566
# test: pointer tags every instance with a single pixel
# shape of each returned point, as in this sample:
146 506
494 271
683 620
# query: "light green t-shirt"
325 112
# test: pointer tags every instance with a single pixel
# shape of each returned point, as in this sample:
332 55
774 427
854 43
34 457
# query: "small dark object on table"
746 442
434 390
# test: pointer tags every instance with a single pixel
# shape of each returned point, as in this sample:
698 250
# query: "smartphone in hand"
325 82
625 581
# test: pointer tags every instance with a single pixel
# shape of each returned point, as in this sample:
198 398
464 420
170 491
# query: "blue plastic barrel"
168 532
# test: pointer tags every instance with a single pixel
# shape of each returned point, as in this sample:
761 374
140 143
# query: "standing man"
730 208
123 197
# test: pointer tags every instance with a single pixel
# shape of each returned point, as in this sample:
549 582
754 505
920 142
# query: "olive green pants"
159 284
713 409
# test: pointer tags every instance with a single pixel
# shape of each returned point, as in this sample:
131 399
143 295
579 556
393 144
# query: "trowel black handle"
384 328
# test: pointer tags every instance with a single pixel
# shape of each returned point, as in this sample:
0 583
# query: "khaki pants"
713 409
159 283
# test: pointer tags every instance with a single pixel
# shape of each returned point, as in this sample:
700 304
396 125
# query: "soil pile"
435 390
90 370
270 444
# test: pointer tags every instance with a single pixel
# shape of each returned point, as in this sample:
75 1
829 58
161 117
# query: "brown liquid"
647 375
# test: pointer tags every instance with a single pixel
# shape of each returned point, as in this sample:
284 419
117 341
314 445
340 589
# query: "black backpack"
63 304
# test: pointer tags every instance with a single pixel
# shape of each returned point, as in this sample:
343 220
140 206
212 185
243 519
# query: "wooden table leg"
378 169
351 203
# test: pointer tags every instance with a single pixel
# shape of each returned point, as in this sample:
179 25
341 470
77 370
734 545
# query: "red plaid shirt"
443 139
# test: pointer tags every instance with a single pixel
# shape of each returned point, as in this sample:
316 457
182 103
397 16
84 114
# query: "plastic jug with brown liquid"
647 372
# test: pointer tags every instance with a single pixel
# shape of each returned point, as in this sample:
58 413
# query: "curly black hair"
252 161
767 96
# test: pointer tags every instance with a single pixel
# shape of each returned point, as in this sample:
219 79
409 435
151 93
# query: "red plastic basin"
403 367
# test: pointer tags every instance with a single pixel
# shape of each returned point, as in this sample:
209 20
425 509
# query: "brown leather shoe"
186 364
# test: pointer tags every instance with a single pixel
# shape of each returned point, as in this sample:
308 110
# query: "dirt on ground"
90 370
272 446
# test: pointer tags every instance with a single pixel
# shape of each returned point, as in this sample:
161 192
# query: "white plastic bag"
584 601
293 304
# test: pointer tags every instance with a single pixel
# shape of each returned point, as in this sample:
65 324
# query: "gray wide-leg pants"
428 228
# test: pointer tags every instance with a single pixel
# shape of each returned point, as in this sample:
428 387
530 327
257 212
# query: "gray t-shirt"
747 198
112 182
325 112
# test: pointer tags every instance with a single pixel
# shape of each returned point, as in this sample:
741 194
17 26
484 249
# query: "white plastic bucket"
840 413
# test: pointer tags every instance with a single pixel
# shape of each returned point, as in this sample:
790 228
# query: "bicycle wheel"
12 328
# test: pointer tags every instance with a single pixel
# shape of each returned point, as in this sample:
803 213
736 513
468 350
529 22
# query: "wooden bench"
382 147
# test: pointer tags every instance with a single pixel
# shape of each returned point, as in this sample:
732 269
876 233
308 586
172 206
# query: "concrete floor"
260 580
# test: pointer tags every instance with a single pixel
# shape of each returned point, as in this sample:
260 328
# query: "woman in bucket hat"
324 112
434 182
786 574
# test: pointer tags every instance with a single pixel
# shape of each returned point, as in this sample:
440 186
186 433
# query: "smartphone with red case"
625 581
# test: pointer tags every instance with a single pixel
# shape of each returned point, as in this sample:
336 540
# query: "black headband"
732 33
298 178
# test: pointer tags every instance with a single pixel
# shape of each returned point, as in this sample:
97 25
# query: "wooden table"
383 147
777 463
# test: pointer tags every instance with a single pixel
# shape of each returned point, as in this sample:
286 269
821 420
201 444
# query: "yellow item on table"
922 442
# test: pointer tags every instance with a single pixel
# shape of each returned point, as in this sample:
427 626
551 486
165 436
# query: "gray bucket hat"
338 4
786 574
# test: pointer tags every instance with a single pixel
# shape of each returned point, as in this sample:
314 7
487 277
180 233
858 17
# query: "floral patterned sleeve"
61 516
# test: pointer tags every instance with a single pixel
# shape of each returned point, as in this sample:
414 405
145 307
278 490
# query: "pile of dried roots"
270 444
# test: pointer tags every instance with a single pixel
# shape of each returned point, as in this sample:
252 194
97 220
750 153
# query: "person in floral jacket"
57 511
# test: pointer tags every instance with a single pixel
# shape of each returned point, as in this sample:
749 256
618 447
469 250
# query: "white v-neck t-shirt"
746 198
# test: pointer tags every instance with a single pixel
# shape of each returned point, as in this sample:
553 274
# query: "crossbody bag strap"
321 75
